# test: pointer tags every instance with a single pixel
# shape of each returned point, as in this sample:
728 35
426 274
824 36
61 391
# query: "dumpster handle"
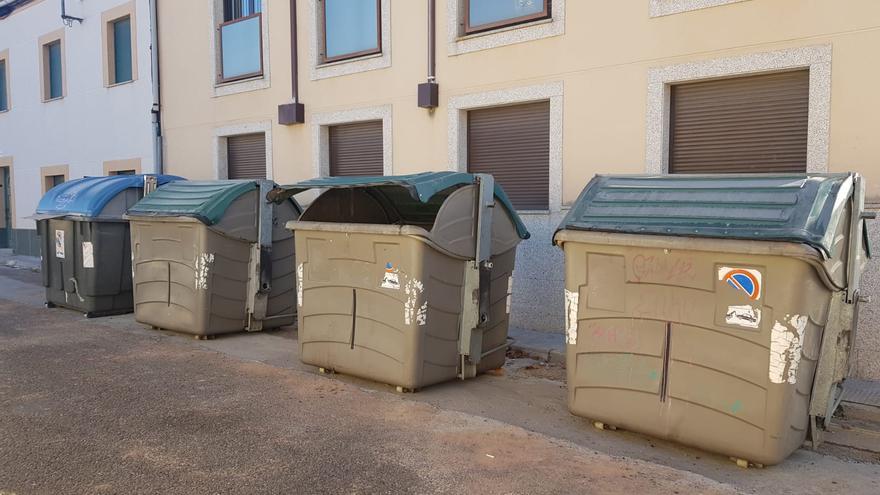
76 289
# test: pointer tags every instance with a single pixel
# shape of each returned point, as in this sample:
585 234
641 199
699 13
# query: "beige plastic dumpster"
716 311
405 279
213 257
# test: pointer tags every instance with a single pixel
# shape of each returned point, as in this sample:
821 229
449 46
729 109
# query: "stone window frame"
111 166
42 42
321 123
459 43
4 57
457 129
221 163
50 171
659 8
263 81
321 70
8 161
108 17
815 58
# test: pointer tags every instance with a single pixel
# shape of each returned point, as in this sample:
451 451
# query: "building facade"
76 99
542 94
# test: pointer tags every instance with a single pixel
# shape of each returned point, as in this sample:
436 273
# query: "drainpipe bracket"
291 113
429 95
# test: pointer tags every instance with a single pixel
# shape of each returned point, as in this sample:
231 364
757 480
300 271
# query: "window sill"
504 29
254 83
5 111
50 100
130 81
348 60
232 82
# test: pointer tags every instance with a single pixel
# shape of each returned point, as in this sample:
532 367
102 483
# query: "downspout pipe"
294 112
156 109
428 92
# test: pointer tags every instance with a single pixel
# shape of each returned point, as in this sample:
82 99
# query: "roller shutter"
513 144
246 156
356 149
740 125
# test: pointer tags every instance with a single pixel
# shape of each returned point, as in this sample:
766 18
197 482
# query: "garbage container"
405 279
713 310
213 257
85 241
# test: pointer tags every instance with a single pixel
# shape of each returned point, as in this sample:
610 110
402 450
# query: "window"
246 156
483 15
123 172
119 51
241 40
740 125
53 78
351 29
4 94
53 180
356 149
513 144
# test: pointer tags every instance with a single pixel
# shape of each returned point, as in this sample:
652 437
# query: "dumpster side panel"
495 336
282 297
678 344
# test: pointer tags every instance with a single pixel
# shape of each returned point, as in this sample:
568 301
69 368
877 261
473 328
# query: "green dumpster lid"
205 200
421 187
802 208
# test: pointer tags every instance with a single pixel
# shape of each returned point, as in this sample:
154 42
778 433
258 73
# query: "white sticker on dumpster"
88 255
59 244
571 316
744 316
786 345
413 290
299 284
203 266
509 292
390 280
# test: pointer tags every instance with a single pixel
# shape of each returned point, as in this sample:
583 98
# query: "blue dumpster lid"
205 200
87 197
804 208
421 187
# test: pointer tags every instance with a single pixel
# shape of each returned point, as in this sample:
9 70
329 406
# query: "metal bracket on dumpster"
478 280
855 257
260 266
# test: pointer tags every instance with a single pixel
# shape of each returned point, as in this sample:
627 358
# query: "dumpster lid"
421 187
206 200
804 208
86 197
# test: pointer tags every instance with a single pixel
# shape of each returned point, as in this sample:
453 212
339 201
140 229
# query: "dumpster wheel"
602 426
745 464
204 337
404 390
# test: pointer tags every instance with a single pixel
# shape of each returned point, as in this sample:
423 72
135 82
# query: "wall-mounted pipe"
293 113
156 109
429 96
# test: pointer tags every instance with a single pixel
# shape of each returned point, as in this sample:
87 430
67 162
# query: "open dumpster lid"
423 187
206 201
803 208
87 197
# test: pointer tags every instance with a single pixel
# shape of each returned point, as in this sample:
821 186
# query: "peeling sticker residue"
132 264
203 266
299 284
744 316
59 244
785 350
422 314
390 280
412 290
509 292
88 255
571 316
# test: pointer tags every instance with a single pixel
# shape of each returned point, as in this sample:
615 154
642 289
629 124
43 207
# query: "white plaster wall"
91 124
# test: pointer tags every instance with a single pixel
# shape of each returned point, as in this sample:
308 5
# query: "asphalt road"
86 407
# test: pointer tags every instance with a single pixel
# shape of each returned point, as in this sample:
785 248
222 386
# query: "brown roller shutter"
740 125
356 149
246 156
513 144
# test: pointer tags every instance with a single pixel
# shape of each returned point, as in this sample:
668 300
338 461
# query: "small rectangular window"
241 40
4 94
122 172
351 29
53 77
53 180
483 15
121 50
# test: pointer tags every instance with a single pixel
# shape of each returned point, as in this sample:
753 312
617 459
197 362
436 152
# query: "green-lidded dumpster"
405 279
85 241
713 310
213 257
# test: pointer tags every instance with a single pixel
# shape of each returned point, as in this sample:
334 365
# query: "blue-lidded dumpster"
85 242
